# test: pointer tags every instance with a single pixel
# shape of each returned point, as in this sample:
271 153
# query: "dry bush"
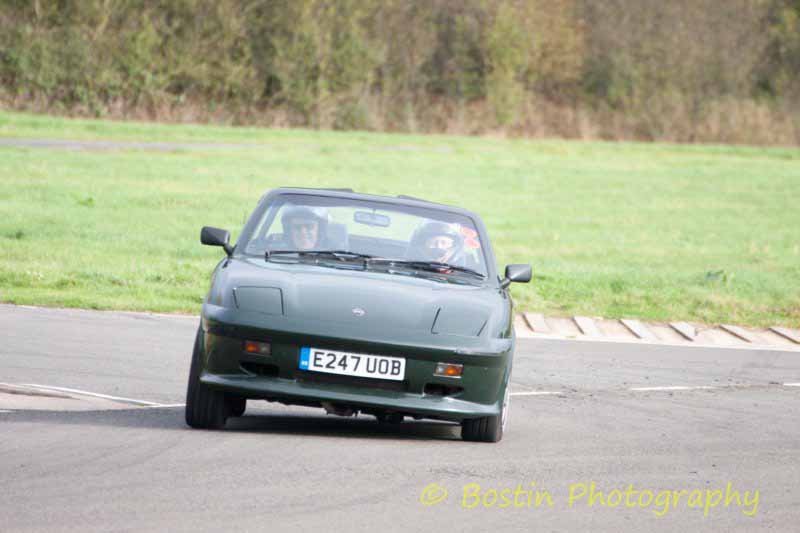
684 70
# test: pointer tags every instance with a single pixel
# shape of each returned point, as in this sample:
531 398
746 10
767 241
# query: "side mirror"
216 237
517 274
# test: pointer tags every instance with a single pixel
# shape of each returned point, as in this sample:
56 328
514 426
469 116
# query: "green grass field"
705 233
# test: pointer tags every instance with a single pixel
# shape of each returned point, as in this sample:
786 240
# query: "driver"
303 228
437 241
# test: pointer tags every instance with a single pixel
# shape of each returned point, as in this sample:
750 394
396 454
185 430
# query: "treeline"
679 70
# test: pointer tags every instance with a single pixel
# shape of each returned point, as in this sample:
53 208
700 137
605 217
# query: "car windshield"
304 224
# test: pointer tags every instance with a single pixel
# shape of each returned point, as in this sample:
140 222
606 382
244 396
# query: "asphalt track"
645 419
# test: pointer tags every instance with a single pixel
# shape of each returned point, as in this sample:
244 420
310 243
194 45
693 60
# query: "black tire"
206 408
487 428
237 405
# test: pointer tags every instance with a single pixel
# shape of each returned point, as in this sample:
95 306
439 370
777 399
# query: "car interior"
338 237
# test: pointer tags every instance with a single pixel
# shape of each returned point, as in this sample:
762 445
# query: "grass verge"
705 233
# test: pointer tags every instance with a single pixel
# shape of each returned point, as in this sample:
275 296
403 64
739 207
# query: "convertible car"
356 303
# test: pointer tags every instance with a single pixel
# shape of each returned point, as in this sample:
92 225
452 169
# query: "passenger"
437 241
304 229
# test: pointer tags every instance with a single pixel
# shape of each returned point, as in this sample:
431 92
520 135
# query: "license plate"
352 364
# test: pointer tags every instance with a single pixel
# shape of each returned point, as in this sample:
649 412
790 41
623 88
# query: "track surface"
279 468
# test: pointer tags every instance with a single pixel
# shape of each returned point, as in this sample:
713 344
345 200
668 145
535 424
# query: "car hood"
367 301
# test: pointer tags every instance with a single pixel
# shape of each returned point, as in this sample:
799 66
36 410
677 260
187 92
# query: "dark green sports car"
388 306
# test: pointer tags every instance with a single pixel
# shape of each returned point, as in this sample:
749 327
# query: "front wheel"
488 428
206 408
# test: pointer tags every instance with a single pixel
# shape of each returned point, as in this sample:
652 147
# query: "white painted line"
686 330
535 393
12 388
791 384
587 326
162 405
670 388
94 395
5 411
638 329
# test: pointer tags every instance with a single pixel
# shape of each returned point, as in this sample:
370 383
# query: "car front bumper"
276 377
293 392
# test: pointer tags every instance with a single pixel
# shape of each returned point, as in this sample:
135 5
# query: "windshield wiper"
341 255
367 260
430 266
